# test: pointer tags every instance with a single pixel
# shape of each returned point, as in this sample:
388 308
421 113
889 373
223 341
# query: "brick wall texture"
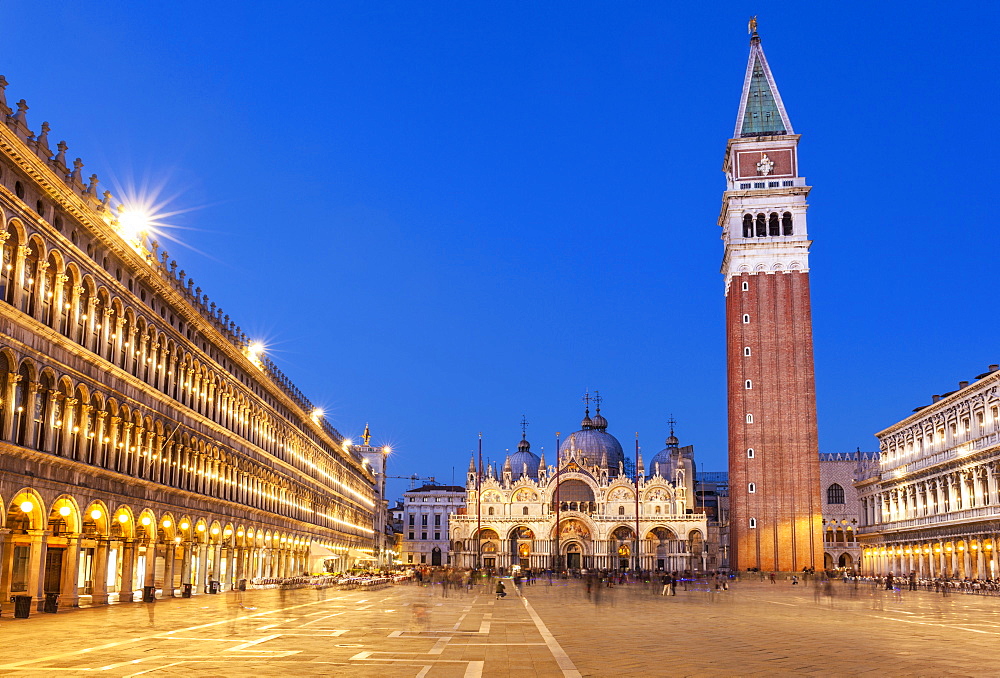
782 399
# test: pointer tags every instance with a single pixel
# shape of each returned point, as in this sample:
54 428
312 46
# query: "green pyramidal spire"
762 112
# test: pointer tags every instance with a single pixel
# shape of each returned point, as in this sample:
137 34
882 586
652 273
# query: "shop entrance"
53 570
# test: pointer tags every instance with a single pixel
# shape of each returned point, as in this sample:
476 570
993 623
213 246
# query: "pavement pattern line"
562 659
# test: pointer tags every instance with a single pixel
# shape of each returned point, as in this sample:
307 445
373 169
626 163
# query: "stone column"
240 569
217 563
69 595
129 552
36 566
99 573
6 561
149 577
169 559
187 554
202 568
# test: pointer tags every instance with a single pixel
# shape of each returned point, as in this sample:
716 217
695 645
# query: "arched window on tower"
761 226
772 224
786 223
747 225
835 494
621 510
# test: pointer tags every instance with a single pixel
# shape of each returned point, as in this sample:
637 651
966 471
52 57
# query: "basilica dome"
523 456
593 445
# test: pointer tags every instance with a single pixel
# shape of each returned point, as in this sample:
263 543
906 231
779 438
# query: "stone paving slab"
754 629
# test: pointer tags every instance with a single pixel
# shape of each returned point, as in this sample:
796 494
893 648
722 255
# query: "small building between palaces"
932 504
586 511
146 444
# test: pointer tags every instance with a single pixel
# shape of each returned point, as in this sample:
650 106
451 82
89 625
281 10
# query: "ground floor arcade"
87 552
972 556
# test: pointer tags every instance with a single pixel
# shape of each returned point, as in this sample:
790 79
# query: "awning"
317 551
361 555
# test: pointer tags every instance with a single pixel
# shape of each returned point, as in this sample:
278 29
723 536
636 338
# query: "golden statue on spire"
366 436
752 25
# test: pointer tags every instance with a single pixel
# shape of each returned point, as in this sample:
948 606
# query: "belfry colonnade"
92 553
958 557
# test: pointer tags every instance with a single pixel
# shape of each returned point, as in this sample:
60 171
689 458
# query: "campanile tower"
774 493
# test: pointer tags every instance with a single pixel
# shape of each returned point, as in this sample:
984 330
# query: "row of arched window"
58 293
43 411
764 226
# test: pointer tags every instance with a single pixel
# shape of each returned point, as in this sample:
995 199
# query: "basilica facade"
592 509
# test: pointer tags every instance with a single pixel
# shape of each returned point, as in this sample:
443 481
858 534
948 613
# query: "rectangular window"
411 536
437 536
772 184
744 187
423 520
409 557
787 183
423 558
758 184
437 520
411 519
423 535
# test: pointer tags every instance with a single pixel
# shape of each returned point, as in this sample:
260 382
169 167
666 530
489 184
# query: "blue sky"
442 216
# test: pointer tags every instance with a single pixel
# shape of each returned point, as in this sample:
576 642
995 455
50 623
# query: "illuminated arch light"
26 507
96 514
123 519
166 522
64 511
146 522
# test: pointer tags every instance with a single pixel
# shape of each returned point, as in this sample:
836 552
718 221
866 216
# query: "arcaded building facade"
841 508
590 510
932 504
144 440
774 490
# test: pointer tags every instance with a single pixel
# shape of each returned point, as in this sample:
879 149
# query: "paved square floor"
551 630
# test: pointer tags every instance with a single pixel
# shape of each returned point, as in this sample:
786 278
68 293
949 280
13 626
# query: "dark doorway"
489 562
436 556
53 570
573 561
622 563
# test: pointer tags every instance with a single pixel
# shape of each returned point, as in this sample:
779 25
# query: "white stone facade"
932 506
427 514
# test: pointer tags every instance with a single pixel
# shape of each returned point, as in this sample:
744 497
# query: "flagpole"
558 469
479 512
637 501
